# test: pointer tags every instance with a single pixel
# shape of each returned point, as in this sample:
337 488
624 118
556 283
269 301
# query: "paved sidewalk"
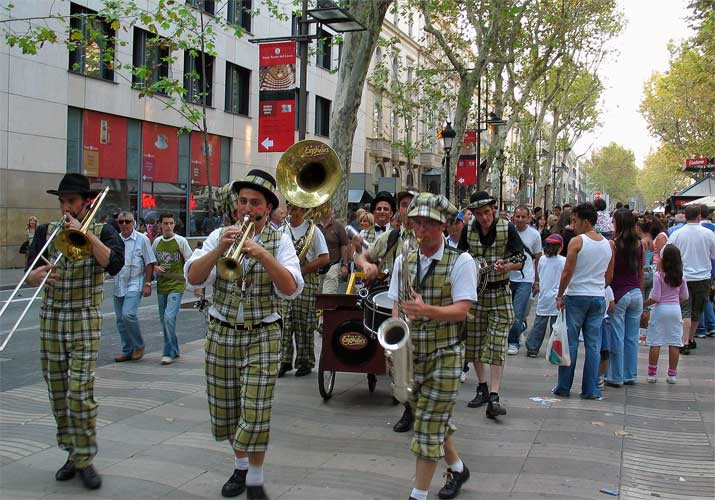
648 440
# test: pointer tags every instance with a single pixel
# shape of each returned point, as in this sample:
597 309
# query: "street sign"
697 162
276 115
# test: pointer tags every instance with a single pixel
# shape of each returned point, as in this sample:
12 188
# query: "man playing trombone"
71 325
442 289
243 343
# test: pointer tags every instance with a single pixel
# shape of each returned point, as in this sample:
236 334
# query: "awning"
359 196
433 172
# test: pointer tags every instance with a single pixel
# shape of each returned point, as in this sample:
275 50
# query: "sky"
643 49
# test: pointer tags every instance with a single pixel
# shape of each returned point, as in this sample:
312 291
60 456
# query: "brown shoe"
123 357
138 354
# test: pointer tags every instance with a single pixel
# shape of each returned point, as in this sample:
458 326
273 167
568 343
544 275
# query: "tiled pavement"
648 441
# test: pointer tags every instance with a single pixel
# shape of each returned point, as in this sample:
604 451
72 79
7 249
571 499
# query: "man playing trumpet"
443 289
243 343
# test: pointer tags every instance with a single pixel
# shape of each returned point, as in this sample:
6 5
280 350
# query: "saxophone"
394 333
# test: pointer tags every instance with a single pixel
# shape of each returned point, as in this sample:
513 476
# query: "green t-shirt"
170 254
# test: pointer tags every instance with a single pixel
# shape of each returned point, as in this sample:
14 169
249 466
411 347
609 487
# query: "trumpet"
230 266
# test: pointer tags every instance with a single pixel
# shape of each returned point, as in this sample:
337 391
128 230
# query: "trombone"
74 244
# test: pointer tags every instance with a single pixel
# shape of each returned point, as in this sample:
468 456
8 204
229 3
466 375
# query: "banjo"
484 269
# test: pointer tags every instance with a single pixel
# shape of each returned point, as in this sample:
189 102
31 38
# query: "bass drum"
377 307
351 345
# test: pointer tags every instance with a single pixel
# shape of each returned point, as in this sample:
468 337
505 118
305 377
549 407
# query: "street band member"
71 325
243 343
443 288
493 239
382 209
300 321
379 259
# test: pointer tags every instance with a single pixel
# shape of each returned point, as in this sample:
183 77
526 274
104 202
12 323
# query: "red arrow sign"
696 162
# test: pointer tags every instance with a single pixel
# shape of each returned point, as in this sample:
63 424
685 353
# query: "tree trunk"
357 54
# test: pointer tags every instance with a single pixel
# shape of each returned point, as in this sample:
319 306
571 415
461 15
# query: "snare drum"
377 307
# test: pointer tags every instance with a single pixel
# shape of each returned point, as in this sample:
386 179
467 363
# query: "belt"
496 284
240 326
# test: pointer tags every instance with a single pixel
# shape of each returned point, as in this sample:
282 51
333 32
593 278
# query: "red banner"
104 145
198 161
276 110
467 170
160 146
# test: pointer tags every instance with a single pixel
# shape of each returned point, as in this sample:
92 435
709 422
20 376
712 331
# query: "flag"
466 170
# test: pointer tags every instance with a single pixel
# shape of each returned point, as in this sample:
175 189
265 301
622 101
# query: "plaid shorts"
488 325
301 322
241 370
69 343
436 388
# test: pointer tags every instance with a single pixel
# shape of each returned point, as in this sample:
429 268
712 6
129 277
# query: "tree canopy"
612 169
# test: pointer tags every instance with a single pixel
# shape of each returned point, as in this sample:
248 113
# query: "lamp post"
448 135
500 160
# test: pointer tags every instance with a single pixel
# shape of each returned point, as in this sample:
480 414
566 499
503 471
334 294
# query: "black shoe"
455 480
256 493
235 485
481 397
285 368
685 350
494 409
90 477
405 422
66 472
303 371
692 344
531 354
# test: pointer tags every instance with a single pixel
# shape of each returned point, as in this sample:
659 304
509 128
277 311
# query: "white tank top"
589 276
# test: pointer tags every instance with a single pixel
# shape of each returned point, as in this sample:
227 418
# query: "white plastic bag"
557 349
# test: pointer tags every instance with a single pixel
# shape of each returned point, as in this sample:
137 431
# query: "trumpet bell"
229 268
308 173
74 244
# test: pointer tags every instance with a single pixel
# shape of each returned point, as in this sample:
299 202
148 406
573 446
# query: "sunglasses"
124 221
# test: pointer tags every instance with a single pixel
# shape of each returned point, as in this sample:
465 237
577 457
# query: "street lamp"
500 160
448 135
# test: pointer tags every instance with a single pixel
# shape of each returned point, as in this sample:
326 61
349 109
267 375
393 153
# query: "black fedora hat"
75 184
410 191
479 199
383 196
260 181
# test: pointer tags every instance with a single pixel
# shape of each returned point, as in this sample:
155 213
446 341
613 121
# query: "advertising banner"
467 170
104 145
160 158
198 161
276 106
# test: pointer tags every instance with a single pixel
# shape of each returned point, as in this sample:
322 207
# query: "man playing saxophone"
443 289
300 319
243 343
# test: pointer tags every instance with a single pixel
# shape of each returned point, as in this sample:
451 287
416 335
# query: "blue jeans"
168 310
125 309
538 330
623 357
707 322
583 313
520 295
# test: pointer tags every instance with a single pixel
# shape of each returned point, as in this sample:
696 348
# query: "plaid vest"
258 299
80 284
436 289
370 235
491 253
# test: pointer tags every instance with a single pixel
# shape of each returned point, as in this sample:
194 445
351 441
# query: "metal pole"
501 185
479 130
303 54
446 169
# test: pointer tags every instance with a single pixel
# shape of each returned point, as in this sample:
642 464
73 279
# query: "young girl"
606 335
550 267
666 326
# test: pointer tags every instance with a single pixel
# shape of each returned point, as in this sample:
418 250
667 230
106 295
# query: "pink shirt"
663 293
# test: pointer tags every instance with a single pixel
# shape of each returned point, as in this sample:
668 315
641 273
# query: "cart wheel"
326 383
371 382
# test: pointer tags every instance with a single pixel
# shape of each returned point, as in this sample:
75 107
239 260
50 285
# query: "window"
322 116
208 6
238 80
196 76
239 13
377 117
93 52
150 54
324 57
294 24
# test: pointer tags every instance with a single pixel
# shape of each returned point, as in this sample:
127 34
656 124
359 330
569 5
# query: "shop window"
322 116
151 55
92 53
198 77
238 82
239 13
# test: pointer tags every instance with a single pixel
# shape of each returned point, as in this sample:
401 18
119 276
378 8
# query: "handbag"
557 349
23 248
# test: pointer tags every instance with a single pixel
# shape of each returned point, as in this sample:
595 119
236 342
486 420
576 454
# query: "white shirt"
608 295
589 275
184 246
285 255
531 238
463 275
697 247
318 246
550 269
378 231
137 255
451 242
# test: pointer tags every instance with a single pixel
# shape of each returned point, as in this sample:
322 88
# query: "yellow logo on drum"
353 340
